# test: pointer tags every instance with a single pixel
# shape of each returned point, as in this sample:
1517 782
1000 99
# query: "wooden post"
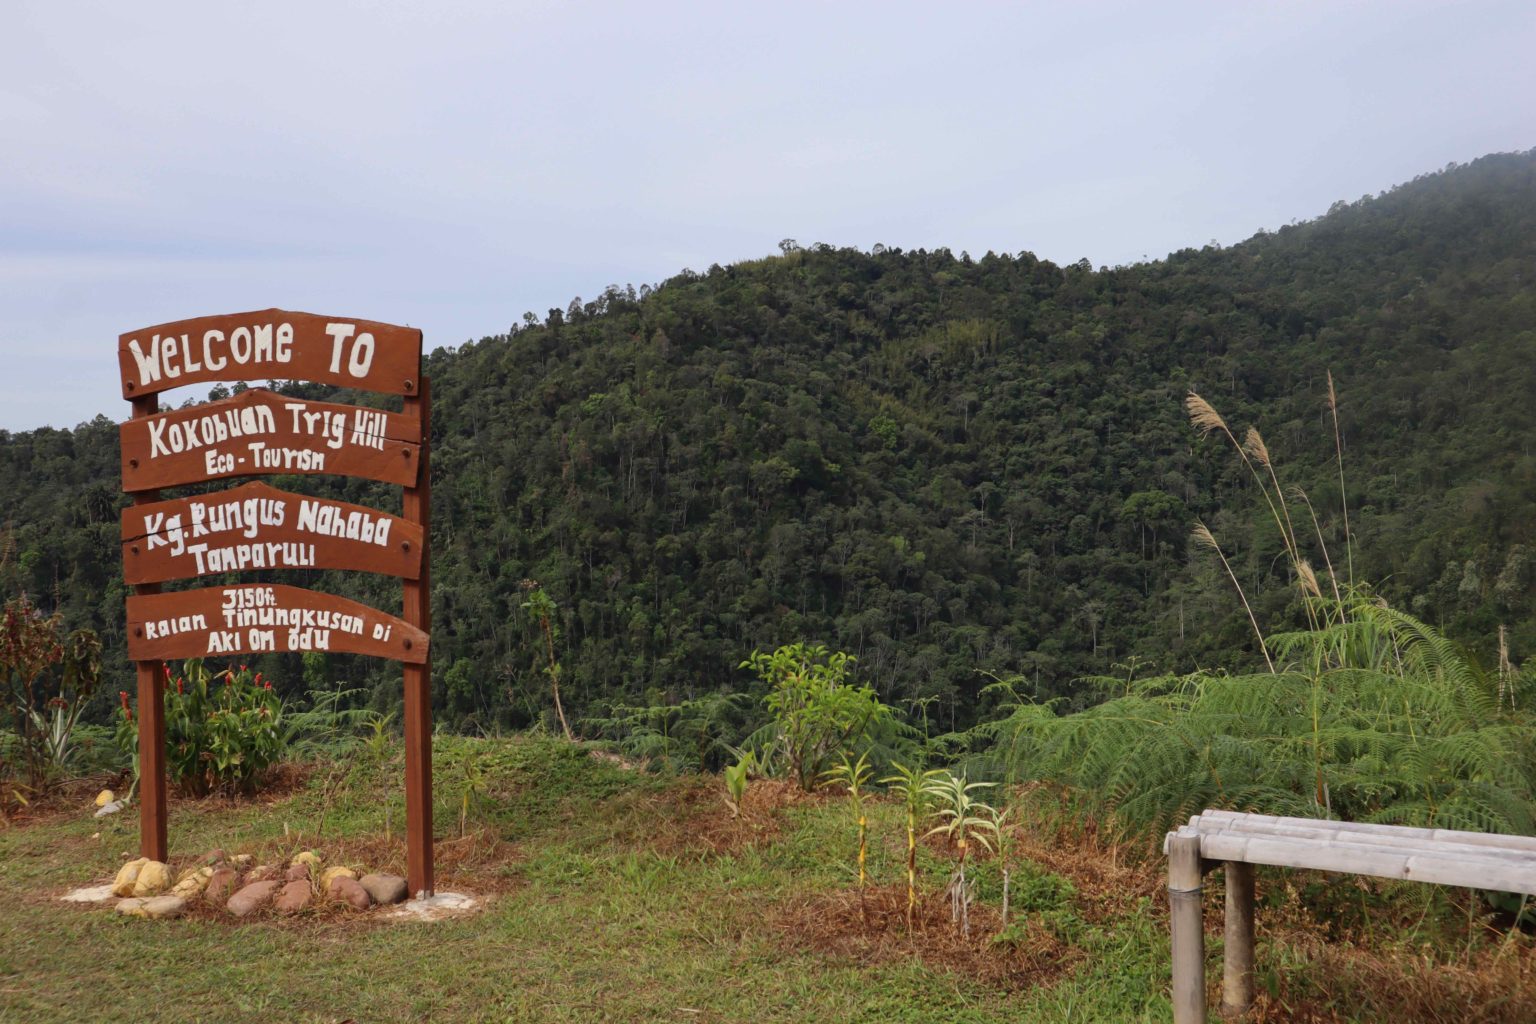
1237 960
1187 929
153 841
417 611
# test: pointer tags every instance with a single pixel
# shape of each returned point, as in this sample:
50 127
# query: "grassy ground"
618 896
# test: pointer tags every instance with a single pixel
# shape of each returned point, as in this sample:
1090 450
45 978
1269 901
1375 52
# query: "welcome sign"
255 527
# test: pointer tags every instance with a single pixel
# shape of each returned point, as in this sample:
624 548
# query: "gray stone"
384 888
109 808
251 898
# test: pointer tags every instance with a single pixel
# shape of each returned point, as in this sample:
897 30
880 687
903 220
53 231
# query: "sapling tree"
817 712
852 775
911 784
541 611
964 820
736 781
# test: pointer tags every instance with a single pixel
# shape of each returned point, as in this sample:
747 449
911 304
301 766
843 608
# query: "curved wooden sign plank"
271 344
257 432
256 526
257 618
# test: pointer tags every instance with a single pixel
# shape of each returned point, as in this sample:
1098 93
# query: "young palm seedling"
736 781
852 775
965 820
910 784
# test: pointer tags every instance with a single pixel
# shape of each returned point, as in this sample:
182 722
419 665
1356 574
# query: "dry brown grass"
693 819
870 927
1341 982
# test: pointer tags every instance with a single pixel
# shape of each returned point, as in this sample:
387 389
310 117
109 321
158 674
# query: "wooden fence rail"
1236 842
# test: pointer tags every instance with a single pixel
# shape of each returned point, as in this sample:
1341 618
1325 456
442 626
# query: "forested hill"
944 464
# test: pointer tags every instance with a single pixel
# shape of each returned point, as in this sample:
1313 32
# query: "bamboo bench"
1236 842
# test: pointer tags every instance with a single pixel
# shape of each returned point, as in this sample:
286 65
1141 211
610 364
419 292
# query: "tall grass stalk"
1338 447
1203 535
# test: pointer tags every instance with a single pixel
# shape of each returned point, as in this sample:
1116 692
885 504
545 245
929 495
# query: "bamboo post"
153 842
1187 929
417 611
1237 959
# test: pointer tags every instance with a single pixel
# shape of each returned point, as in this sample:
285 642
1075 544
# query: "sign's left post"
151 679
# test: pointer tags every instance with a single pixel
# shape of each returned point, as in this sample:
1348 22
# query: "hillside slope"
942 464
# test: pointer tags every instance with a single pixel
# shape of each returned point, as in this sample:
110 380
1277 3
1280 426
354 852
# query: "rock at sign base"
221 885
384 888
241 861
309 857
163 908
90 894
127 875
154 878
105 797
132 906
294 897
192 883
215 857
263 873
251 898
351 891
297 872
331 874
111 808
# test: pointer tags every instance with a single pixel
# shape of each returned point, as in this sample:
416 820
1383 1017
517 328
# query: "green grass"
597 921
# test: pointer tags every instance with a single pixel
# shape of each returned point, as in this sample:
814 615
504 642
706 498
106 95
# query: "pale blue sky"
451 165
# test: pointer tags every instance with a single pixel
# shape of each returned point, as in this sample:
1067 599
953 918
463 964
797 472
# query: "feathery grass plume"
1207 419
1338 447
1308 578
1203 535
1254 445
1204 416
1300 495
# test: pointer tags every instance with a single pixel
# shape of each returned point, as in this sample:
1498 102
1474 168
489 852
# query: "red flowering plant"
46 679
223 730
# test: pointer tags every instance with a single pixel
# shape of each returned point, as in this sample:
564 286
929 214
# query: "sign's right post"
417 610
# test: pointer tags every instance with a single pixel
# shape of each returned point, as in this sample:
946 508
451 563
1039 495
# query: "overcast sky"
451 165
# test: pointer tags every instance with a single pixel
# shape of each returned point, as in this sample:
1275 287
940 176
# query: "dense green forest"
948 466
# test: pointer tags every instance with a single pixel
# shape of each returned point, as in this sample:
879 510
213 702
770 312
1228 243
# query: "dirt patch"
871 928
693 819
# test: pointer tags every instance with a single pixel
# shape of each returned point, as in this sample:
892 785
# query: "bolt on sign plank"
257 526
271 344
257 618
257 432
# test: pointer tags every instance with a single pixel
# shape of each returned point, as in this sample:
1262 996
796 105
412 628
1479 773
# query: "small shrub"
817 713
48 677
222 731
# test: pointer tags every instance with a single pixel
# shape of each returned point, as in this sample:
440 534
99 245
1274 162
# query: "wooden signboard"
271 344
259 433
257 526
255 618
